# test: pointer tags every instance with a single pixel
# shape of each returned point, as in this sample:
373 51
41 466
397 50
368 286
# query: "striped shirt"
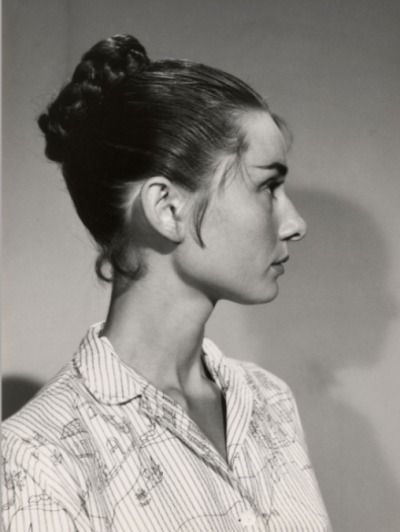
101 449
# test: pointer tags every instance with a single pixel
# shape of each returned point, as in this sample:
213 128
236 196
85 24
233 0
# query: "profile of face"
248 224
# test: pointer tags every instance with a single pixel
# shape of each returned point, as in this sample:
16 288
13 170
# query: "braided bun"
100 69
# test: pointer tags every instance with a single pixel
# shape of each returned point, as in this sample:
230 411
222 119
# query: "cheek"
235 262
245 239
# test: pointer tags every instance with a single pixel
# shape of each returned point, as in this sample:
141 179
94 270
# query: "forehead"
263 145
264 141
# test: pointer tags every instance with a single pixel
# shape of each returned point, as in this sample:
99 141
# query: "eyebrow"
280 168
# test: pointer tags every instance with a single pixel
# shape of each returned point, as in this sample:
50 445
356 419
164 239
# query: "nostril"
299 229
296 230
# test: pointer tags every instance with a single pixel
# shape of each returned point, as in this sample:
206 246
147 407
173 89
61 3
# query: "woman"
177 170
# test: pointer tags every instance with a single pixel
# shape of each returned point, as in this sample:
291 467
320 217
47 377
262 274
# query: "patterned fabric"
101 449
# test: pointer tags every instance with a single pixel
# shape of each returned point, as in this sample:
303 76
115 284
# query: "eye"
271 185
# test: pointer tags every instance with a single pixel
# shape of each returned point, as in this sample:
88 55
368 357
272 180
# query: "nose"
292 226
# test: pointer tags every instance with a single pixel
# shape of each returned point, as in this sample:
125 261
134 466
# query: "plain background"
331 68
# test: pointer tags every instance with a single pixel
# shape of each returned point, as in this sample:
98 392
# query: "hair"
123 118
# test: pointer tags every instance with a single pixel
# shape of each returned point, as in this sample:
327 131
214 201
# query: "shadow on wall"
16 391
333 314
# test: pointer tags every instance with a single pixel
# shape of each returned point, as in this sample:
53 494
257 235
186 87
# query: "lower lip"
278 268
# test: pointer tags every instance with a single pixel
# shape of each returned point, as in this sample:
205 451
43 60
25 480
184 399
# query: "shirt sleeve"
35 496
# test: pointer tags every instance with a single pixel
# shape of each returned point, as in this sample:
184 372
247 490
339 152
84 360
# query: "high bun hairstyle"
123 118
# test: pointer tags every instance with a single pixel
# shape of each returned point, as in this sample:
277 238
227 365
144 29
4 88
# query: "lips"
278 265
281 261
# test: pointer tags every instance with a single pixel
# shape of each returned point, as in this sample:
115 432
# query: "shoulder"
262 378
271 395
36 457
42 417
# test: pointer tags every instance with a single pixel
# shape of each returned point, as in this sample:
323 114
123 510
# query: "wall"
330 68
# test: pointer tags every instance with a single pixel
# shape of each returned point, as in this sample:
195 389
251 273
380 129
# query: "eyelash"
271 186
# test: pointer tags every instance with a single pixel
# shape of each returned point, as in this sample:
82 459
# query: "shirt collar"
111 381
102 371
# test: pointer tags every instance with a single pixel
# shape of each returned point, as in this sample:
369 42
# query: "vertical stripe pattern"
101 449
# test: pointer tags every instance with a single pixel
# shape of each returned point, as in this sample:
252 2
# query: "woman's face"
248 223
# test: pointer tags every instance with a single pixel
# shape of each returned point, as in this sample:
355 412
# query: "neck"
157 328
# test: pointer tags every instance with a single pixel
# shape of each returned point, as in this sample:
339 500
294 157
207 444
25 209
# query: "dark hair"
123 118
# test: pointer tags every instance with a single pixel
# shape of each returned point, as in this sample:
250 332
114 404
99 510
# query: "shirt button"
247 518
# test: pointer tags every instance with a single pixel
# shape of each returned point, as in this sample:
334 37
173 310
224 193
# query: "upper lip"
282 260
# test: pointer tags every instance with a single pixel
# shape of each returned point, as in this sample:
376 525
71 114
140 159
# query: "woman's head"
123 119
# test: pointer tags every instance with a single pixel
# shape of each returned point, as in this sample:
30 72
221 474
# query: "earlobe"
163 206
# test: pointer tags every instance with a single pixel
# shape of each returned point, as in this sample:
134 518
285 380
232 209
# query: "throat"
208 411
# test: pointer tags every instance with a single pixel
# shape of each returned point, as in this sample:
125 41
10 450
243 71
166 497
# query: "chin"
259 297
264 299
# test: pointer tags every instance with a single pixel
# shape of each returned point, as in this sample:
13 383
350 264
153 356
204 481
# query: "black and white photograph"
200 266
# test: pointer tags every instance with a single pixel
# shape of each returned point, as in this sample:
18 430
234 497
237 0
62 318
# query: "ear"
163 204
